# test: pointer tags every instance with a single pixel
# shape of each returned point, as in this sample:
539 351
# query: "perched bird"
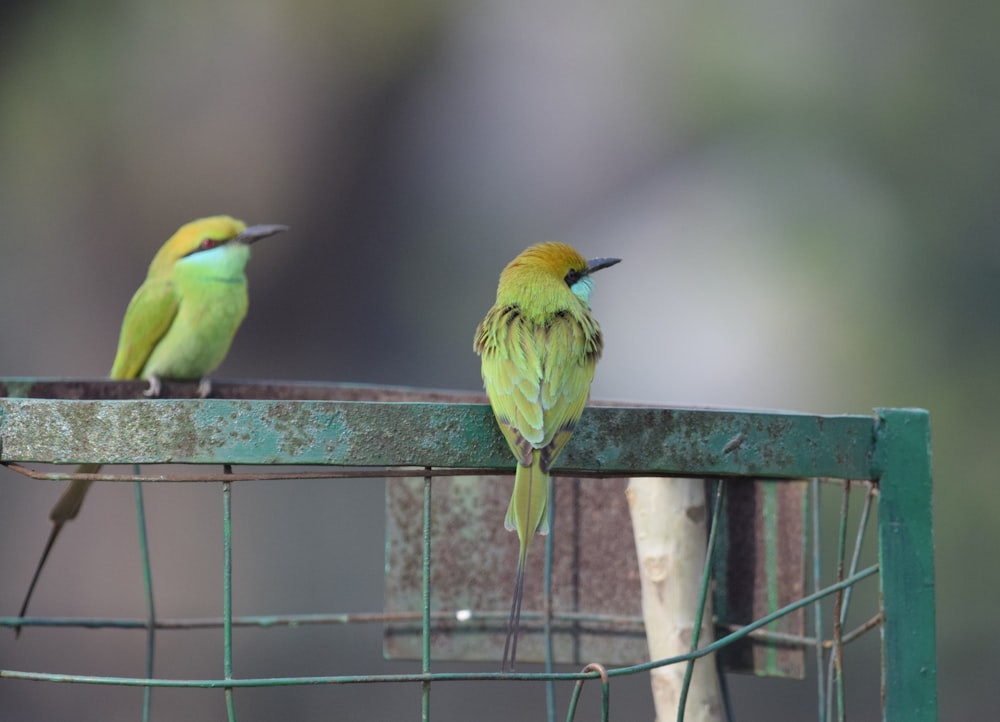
539 345
178 325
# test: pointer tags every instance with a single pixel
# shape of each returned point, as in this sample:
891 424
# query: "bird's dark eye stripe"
572 276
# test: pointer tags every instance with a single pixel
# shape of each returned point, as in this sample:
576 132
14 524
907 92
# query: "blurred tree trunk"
669 520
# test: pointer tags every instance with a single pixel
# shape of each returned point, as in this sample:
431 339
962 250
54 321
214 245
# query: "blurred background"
804 195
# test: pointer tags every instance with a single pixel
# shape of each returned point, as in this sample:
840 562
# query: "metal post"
902 466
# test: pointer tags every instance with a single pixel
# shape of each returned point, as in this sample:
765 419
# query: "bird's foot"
154 388
204 388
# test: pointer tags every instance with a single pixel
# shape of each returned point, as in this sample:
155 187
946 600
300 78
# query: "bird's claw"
204 388
154 388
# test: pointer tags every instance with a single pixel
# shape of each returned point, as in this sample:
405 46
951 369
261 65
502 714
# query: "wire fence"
877 465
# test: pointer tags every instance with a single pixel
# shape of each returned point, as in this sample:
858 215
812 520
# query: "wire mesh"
835 593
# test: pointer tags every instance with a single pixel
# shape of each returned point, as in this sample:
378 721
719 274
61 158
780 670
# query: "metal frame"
891 449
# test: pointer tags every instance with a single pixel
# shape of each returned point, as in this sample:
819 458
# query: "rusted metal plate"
594 572
106 390
398 432
759 568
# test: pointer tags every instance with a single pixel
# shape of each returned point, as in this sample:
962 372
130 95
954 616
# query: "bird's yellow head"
205 234
546 267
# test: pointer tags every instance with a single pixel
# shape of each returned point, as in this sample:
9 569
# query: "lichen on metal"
611 439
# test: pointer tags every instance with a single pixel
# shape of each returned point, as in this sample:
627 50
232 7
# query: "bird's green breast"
211 288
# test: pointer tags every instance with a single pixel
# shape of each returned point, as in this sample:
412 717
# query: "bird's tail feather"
513 623
65 509
68 505
527 514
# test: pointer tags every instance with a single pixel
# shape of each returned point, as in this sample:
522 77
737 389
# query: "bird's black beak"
255 233
596 264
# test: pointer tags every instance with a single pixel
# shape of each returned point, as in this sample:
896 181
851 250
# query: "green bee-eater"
539 346
178 325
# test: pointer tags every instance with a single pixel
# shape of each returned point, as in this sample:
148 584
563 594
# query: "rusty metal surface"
404 432
595 572
760 568
106 390
596 597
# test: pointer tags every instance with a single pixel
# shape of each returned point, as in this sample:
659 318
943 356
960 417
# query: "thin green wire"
550 685
748 629
425 664
227 592
147 578
706 578
855 558
427 677
858 541
769 494
721 551
605 693
835 673
818 608
446 676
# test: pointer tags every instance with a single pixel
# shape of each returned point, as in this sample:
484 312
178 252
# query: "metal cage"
365 431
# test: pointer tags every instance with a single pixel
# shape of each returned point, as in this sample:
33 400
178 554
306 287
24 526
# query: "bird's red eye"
208 243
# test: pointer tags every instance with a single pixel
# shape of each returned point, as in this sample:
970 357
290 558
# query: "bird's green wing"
537 377
512 371
147 318
572 346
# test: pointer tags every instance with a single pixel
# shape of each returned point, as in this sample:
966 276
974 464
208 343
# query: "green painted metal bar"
227 593
608 439
906 559
147 579
425 607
